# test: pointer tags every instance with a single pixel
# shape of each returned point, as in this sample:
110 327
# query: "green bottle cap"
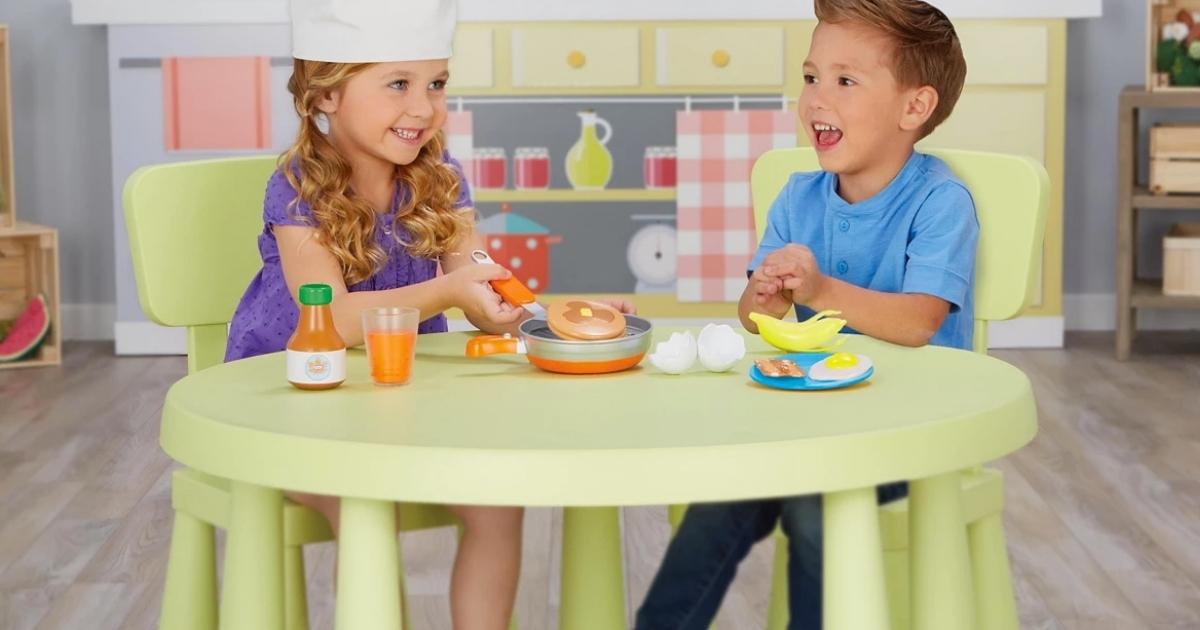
315 294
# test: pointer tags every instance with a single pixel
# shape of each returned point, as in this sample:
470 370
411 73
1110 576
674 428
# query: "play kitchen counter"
502 432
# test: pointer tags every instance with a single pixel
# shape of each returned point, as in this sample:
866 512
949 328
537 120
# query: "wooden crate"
8 204
1159 13
1175 159
29 266
1181 260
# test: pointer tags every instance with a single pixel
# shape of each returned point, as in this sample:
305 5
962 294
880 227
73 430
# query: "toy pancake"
581 320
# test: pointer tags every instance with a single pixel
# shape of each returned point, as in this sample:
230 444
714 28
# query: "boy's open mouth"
827 135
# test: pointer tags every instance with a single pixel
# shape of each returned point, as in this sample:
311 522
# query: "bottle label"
316 368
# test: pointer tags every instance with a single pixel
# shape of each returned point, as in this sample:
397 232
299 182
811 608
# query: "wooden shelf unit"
28 267
1132 196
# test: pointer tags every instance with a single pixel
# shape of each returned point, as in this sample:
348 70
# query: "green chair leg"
940 571
855 597
252 593
778 613
295 598
368 581
190 593
593 583
995 606
895 571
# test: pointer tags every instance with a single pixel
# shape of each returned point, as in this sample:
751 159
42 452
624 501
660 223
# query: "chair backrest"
192 229
1011 195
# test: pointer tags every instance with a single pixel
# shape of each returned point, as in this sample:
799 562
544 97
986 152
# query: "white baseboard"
88 322
1026 332
140 338
1098 311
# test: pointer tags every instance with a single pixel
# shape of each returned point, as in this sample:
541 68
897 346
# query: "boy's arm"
908 319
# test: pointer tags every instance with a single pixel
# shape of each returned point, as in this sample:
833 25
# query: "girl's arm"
459 258
306 261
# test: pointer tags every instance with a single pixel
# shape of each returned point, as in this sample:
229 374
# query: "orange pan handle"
511 289
487 345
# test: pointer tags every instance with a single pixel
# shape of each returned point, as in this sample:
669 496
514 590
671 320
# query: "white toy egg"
675 355
720 347
841 366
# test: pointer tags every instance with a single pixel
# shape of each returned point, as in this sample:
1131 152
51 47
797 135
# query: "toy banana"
815 334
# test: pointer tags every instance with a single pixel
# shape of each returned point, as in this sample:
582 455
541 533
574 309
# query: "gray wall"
60 85
61 138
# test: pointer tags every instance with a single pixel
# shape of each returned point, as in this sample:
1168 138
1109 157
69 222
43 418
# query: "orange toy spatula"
511 289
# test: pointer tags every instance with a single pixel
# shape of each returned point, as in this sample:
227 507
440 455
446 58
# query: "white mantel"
275 11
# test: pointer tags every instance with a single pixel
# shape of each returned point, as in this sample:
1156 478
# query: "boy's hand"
769 294
795 267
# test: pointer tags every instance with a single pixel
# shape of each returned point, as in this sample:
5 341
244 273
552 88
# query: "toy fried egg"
840 366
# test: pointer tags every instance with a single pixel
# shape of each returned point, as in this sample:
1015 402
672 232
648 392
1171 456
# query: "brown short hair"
927 50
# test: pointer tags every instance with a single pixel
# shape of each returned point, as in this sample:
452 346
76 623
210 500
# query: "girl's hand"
470 291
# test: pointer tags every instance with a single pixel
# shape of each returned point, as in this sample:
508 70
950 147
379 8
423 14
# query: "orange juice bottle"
316 353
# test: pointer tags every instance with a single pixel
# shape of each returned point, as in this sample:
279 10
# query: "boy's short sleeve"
778 230
277 204
941 248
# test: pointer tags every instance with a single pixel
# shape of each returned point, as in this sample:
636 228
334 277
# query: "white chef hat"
362 31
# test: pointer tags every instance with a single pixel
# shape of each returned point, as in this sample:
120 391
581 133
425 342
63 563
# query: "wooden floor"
1103 511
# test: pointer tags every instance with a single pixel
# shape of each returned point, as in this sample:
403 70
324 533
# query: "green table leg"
855 596
941 570
368 582
995 607
295 596
252 593
593 584
778 613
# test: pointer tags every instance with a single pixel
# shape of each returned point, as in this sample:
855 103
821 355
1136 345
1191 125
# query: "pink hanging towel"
714 216
460 139
216 103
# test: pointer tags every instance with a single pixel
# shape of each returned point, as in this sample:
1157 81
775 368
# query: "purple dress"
267 315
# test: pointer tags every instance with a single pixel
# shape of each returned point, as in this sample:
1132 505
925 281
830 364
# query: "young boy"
882 233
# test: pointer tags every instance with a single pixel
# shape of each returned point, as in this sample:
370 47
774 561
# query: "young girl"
371 205
370 208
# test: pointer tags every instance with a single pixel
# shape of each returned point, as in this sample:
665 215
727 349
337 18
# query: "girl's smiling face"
388 111
851 106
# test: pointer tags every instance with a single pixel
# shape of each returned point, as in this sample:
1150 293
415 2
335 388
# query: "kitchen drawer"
472 63
1003 54
717 56
575 57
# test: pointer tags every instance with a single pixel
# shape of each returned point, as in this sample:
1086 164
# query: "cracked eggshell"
720 348
675 355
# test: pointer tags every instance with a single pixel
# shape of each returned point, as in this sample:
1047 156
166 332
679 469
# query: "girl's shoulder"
281 205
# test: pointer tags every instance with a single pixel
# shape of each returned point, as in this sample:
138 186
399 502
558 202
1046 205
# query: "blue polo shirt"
917 235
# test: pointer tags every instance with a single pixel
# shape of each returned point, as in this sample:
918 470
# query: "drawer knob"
576 59
720 58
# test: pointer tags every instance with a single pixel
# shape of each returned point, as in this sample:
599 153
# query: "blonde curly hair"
345 222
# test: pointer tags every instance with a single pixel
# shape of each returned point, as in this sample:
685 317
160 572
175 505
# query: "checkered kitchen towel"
460 140
714 215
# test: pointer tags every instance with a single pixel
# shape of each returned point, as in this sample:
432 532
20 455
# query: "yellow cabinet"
555 56
472 63
719 56
1005 54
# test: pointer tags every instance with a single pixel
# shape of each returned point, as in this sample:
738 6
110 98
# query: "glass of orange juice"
390 334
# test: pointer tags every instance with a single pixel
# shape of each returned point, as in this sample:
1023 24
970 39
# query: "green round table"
497 431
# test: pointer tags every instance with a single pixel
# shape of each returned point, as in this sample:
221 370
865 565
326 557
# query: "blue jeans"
702 560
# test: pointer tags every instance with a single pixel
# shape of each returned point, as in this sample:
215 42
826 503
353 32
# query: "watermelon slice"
27 332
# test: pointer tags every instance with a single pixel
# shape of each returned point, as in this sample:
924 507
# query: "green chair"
192 235
1011 195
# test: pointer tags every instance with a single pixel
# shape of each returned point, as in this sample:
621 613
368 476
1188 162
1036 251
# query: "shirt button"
844 226
843 267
